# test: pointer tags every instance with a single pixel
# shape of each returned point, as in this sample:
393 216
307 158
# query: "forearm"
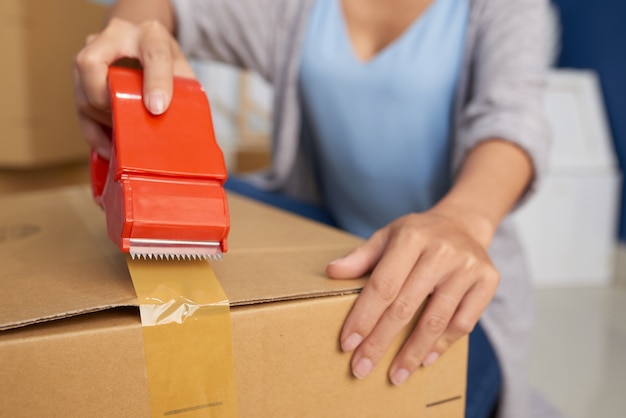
494 176
137 11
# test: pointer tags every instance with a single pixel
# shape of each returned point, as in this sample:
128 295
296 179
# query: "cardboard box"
71 337
252 158
12 181
38 39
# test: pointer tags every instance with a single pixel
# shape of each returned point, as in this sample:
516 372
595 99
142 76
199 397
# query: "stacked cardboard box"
39 39
17 180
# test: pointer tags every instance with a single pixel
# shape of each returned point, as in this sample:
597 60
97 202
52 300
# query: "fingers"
92 121
90 38
150 43
85 108
96 136
394 318
361 260
414 257
465 318
432 324
155 54
90 77
161 59
403 307
380 302
450 314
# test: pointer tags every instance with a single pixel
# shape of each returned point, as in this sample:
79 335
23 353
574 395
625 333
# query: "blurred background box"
252 158
569 229
39 39
12 180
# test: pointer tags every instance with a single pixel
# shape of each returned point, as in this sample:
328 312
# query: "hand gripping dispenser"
162 191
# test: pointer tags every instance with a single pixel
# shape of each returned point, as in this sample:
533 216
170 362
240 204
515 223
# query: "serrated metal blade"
162 249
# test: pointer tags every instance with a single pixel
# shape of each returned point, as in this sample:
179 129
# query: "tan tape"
187 337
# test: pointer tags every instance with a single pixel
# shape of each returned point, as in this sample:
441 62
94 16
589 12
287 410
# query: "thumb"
361 260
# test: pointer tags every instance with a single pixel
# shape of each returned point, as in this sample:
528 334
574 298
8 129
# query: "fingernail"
400 376
351 343
362 368
430 359
156 102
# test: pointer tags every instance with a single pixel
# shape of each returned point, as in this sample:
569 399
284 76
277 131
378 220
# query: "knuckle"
462 326
373 348
152 26
375 236
491 274
384 288
86 60
407 233
411 231
116 22
401 310
435 323
471 261
410 359
443 249
89 38
412 220
487 274
158 53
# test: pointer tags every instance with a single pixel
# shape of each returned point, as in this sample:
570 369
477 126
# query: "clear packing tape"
185 317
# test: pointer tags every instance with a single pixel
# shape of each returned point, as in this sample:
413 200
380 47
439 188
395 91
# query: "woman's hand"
152 44
440 253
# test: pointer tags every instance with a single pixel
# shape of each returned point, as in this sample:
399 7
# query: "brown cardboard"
252 158
21 180
38 40
72 341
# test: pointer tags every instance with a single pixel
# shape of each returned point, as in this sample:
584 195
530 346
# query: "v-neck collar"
347 40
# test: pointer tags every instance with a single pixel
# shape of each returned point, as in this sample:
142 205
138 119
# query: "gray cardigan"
499 95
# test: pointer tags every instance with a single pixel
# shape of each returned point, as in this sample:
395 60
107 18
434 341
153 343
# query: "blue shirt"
380 130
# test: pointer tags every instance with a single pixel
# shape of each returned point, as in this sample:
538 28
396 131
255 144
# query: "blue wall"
594 36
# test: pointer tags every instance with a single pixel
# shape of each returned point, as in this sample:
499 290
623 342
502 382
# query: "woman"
415 123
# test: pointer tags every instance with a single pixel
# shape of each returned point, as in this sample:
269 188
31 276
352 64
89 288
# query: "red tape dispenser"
163 189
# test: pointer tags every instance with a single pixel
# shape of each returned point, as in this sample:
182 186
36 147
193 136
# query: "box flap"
57 260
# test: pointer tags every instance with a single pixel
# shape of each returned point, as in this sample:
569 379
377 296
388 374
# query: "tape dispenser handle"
99 168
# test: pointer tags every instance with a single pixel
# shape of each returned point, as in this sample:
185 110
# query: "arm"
441 254
494 176
139 11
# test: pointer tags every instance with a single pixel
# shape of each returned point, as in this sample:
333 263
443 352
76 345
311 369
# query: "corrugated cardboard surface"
39 39
58 265
21 180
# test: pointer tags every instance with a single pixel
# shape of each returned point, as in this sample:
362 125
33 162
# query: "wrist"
476 223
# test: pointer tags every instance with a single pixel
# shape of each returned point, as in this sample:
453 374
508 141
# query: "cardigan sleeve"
506 78
243 33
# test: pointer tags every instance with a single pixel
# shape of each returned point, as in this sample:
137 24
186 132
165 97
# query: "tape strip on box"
185 317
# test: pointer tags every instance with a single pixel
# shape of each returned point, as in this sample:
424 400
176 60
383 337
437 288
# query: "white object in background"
569 229
221 83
